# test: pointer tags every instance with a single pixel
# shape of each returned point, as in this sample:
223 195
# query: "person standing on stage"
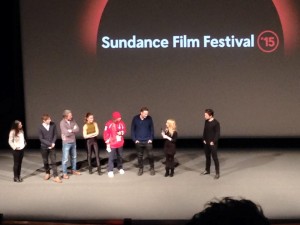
170 134
69 128
142 133
211 135
48 134
90 133
17 142
113 136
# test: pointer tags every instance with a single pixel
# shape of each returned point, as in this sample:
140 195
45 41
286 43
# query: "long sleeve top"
68 130
142 130
211 132
111 136
47 137
16 142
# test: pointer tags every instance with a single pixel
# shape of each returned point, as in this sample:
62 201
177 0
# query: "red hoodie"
110 135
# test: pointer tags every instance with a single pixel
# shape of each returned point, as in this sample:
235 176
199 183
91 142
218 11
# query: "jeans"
46 154
18 157
115 153
141 147
69 149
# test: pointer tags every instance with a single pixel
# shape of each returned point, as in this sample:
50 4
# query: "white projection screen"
240 58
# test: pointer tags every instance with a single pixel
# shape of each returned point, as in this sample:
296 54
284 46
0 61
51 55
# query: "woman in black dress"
170 136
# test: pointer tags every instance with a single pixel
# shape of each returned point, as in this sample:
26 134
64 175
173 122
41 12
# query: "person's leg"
15 167
171 159
111 158
140 155
96 150
52 155
65 157
21 155
45 154
119 152
207 152
167 166
89 154
149 148
73 151
216 160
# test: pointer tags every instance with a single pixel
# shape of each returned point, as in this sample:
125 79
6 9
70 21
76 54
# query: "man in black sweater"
211 135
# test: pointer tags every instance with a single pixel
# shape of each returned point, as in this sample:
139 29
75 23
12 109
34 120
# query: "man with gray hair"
69 128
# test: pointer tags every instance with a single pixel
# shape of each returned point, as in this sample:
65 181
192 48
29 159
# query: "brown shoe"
75 172
65 176
47 176
57 179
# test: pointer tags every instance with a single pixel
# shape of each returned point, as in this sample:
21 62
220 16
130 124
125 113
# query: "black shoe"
172 173
20 179
217 176
16 179
90 170
152 172
140 173
167 173
205 172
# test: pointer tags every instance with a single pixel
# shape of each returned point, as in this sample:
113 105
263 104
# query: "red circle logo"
268 41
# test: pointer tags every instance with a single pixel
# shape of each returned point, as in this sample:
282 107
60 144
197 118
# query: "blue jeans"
68 148
116 153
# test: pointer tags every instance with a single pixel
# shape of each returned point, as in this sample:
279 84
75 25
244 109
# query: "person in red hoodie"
113 136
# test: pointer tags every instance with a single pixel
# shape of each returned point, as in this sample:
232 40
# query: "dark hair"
15 127
144 109
45 117
87 116
229 211
210 112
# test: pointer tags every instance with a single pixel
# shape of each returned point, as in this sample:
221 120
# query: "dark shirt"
142 130
211 132
47 137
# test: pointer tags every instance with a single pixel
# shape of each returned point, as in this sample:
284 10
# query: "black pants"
46 154
211 151
141 148
91 145
18 157
170 161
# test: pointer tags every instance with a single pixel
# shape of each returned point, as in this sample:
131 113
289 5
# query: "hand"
211 143
137 141
164 136
108 149
70 130
150 141
204 142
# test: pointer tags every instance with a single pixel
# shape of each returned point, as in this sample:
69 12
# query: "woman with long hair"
170 136
90 133
17 142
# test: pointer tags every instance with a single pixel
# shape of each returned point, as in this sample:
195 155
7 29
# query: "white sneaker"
121 171
110 174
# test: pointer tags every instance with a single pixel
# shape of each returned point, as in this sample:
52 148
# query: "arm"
11 139
75 128
122 130
217 132
133 135
151 130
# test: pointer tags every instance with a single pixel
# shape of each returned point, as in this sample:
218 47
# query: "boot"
141 171
172 172
90 170
167 172
99 170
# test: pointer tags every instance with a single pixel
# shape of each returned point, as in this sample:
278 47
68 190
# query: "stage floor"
269 177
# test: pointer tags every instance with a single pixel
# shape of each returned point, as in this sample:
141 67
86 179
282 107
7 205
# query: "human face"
90 119
47 121
144 114
69 116
207 117
20 125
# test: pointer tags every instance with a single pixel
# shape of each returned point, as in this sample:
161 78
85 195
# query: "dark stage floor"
269 177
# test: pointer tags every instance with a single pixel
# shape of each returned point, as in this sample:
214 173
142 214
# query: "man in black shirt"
211 135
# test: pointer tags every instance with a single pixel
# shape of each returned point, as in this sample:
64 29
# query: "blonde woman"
170 136
17 142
